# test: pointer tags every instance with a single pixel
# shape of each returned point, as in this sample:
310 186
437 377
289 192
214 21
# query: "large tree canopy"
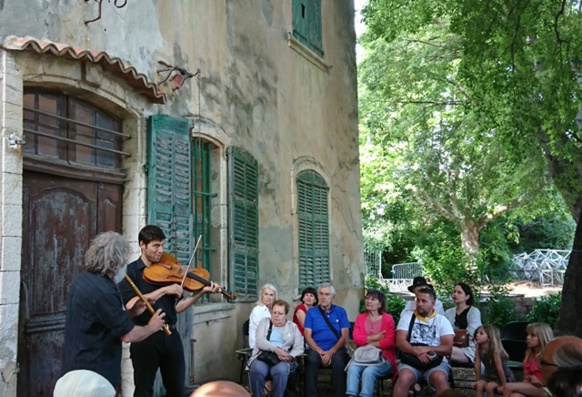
518 68
416 107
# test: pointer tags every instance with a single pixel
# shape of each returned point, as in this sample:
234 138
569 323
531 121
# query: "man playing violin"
158 350
96 323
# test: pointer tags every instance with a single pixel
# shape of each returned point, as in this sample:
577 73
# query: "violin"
169 271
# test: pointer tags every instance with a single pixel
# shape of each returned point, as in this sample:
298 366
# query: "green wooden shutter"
300 21
307 24
314 21
313 216
169 202
243 223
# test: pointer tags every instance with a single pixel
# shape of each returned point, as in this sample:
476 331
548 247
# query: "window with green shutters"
202 196
169 183
182 196
180 189
313 221
243 223
307 24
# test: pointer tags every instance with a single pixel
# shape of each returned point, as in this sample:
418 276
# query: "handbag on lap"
412 360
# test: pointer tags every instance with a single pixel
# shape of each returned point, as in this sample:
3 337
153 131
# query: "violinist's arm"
185 303
172 289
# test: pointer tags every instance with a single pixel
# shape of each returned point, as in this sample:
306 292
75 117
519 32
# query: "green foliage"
472 106
500 309
394 303
555 231
546 310
423 143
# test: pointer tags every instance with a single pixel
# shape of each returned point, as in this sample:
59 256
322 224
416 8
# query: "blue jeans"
368 374
279 373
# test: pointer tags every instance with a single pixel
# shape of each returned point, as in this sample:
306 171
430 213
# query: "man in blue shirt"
327 330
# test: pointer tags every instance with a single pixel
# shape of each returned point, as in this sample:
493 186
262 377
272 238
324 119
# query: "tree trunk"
470 243
570 318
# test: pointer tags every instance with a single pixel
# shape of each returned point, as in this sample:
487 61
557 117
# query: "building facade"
235 121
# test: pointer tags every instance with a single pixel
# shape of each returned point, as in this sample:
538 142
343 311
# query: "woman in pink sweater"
376 328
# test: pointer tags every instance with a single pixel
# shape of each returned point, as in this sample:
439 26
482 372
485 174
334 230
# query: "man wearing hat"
417 284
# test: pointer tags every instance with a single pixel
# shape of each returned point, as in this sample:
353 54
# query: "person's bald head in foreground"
562 352
220 388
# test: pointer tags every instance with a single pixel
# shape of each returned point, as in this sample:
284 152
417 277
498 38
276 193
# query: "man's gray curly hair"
107 254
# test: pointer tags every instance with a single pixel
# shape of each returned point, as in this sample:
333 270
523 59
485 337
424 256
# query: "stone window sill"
305 52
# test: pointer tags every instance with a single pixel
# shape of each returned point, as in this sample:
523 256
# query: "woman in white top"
267 296
464 316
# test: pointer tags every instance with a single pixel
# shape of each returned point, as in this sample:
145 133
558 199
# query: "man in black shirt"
158 351
96 323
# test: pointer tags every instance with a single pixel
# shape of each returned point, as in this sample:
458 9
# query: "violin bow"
191 260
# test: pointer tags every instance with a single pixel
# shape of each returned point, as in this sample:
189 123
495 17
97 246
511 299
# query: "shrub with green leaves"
546 310
500 309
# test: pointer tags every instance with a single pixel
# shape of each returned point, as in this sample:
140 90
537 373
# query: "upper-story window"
307 24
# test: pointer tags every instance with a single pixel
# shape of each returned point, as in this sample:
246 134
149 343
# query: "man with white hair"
96 323
327 330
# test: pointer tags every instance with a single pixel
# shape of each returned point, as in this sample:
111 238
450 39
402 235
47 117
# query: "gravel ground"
533 290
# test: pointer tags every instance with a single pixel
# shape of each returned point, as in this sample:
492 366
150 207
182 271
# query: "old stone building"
233 120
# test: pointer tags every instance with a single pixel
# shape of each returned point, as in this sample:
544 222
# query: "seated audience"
417 284
261 310
538 336
464 316
493 357
427 336
327 329
279 336
566 382
564 352
375 328
308 300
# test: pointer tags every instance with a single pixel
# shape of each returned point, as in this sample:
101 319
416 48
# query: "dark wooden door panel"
61 216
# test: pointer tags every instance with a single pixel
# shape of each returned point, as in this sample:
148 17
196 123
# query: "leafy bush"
395 306
546 310
500 309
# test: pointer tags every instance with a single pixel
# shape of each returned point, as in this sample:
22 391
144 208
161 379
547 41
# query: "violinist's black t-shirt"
166 302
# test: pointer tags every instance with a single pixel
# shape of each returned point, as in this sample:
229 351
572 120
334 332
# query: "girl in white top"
267 296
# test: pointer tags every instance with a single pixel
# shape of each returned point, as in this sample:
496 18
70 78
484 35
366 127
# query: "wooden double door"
61 217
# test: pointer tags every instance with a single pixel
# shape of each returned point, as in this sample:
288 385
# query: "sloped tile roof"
137 80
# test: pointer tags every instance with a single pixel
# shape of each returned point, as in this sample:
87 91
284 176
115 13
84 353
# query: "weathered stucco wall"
256 92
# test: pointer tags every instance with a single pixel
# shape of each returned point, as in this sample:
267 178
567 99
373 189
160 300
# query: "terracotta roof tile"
139 81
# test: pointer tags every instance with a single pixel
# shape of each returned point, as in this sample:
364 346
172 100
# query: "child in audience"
538 334
491 353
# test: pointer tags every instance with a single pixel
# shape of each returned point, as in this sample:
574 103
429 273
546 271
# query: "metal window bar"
58 138
72 121
35 121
